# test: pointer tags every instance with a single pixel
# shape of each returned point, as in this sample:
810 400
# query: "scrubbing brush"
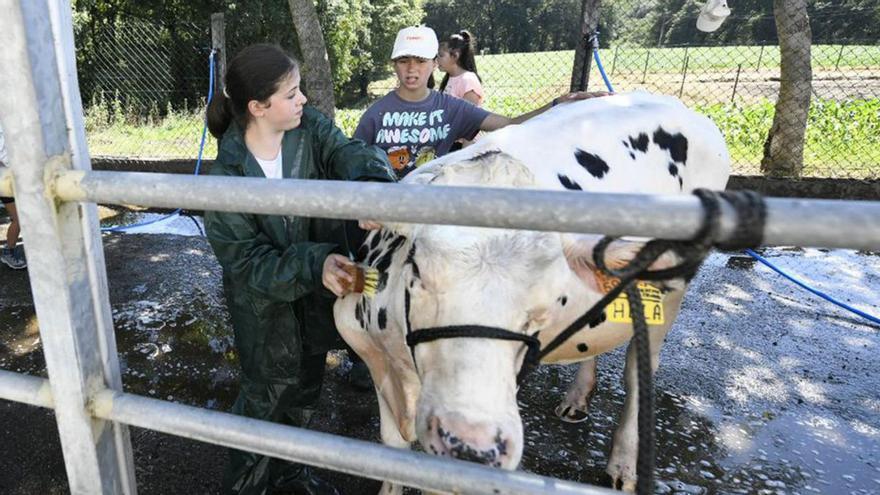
365 279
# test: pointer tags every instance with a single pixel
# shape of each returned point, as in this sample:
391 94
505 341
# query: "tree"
784 148
316 73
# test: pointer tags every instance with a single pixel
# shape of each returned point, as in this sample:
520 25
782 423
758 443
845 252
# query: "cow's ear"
579 254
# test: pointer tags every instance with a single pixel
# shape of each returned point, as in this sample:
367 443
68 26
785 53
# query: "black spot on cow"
583 347
486 154
594 165
640 143
625 143
411 260
382 318
563 300
599 320
673 169
385 261
680 183
382 283
676 144
359 313
632 155
371 260
374 240
568 183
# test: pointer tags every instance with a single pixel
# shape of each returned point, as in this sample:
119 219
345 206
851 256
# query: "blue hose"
601 68
751 253
123 228
810 289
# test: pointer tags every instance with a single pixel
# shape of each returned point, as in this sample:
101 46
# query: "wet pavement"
762 387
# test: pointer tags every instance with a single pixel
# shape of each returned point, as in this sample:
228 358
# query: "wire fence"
144 93
144 87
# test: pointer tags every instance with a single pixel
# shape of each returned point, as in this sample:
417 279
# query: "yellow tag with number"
652 299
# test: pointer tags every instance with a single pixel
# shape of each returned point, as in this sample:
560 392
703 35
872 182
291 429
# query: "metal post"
839 56
41 113
647 60
580 71
684 72
736 81
614 62
218 43
760 57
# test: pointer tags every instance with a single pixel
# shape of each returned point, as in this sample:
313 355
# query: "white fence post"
41 114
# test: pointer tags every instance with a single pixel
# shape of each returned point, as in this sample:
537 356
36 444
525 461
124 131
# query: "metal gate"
40 109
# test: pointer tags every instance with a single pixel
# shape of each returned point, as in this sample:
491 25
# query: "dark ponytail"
464 44
255 73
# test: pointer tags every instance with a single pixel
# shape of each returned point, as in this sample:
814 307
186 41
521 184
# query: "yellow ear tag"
652 298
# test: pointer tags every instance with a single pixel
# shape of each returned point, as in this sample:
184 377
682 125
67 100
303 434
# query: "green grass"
842 140
842 136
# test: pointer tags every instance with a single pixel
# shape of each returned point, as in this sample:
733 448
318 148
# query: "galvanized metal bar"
41 116
803 222
322 449
28 389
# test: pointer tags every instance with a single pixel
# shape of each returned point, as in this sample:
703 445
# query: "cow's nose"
476 442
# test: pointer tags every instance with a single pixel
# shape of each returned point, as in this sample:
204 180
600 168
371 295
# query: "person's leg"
292 404
12 256
298 409
14 227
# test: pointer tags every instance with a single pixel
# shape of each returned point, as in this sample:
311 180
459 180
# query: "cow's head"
521 281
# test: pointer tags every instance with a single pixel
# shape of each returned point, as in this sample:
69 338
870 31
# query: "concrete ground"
762 388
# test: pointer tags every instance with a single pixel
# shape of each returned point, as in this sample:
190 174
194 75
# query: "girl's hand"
334 276
579 95
369 225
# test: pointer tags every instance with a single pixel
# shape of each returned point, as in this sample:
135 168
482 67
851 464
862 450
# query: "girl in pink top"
456 58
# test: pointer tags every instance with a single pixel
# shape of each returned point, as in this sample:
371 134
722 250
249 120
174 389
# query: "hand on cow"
579 95
369 224
335 277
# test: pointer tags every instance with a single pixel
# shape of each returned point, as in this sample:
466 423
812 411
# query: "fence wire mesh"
144 84
144 89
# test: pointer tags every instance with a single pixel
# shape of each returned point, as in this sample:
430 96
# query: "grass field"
735 86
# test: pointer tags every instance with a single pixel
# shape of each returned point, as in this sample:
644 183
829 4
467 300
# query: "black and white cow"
458 396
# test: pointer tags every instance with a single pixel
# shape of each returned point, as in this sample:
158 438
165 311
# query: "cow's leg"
625 450
391 437
574 406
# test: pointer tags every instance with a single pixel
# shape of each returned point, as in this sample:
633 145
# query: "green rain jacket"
272 264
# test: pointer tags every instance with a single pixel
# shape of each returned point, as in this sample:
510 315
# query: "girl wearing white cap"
415 124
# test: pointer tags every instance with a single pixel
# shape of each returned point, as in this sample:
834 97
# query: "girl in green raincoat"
276 268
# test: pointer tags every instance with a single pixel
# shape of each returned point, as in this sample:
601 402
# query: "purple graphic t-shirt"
414 133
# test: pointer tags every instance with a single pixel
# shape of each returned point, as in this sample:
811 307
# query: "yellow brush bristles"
365 279
371 281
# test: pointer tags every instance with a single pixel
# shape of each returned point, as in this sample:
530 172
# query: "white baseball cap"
415 41
712 15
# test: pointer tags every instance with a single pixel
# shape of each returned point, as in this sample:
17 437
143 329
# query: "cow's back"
629 143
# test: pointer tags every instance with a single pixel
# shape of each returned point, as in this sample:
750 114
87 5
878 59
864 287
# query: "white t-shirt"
271 168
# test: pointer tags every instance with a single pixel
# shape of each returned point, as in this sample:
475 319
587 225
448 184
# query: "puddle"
143 222
177 357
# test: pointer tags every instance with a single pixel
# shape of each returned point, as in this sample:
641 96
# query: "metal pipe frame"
351 456
40 109
801 222
347 455
41 114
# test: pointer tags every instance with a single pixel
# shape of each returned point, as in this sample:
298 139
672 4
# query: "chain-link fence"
145 88
144 85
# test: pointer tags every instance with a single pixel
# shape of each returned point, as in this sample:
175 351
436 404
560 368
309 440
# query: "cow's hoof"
571 414
626 486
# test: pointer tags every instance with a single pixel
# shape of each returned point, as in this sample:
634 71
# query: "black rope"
414 338
751 215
